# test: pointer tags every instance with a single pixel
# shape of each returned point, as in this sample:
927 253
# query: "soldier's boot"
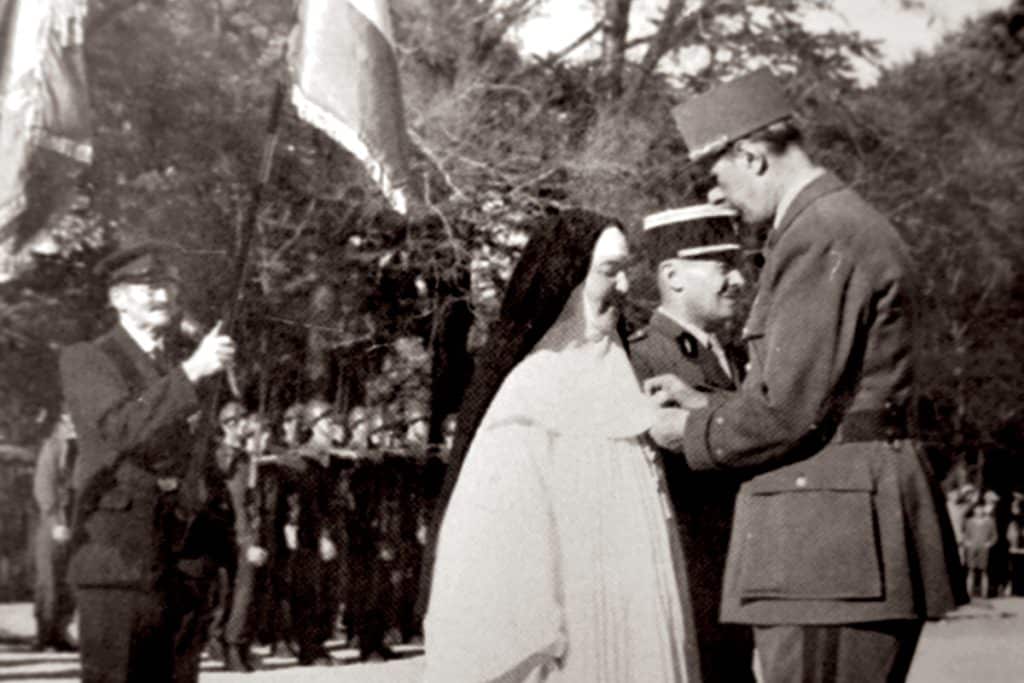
238 658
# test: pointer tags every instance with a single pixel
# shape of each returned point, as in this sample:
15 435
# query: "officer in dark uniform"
841 547
130 397
54 603
696 257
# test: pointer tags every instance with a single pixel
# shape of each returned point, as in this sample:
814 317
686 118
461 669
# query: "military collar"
824 184
669 327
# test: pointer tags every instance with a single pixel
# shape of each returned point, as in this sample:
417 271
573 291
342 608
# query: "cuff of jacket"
183 386
701 424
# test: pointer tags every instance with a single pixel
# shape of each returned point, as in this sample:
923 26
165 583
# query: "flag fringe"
79 151
348 138
10 210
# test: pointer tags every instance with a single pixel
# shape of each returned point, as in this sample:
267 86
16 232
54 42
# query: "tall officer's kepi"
710 122
697 231
147 263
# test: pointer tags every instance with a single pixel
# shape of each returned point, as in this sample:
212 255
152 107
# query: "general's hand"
669 391
669 427
215 352
256 555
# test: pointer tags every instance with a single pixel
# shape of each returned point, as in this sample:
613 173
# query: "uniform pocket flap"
115 500
823 472
755 332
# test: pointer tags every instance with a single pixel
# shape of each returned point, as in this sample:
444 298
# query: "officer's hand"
328 551
669 427
60 533
256 555
215 352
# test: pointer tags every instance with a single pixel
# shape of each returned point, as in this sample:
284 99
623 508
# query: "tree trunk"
613 48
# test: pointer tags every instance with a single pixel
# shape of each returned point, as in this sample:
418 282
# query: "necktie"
718 353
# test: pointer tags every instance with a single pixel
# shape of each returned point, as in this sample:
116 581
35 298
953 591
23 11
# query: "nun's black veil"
554 262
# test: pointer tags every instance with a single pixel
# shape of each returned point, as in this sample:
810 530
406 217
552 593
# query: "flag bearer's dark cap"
697 231
144 263
710 122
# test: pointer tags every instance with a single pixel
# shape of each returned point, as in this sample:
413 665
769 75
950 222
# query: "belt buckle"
167 484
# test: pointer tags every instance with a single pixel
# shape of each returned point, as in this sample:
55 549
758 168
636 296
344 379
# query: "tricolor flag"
346 83
44 101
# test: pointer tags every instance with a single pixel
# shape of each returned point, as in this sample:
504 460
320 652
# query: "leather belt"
872 425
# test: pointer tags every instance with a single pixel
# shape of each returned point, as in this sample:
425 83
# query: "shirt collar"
790 194
146 341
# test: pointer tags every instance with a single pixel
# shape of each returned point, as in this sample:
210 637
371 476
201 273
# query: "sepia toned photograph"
512 341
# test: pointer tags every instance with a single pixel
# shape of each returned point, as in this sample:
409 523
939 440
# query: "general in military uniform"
840 546
696 256
130 397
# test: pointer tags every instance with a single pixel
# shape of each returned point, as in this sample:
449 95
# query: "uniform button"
719 420
719 452
801 481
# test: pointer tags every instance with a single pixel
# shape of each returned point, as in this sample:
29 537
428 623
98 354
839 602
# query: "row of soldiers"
328 517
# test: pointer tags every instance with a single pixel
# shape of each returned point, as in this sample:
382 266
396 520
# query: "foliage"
350 301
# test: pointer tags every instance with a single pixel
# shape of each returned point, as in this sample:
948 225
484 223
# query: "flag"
346 84
43 102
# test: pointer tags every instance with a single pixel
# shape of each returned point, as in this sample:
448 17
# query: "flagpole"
195 494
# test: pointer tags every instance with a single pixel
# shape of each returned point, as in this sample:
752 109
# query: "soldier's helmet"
317 409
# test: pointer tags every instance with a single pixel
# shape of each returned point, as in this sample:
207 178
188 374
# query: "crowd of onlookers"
321 518
990 535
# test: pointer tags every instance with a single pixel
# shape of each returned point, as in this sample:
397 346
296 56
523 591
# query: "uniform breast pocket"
811 534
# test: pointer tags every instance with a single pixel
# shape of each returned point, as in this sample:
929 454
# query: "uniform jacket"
831 529
320 507
132 423
703 504
234 465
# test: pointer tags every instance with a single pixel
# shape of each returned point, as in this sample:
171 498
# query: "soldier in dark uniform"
321 516
244 440
841 547
273 610
696 256
54 603
370 552
413 518
130 397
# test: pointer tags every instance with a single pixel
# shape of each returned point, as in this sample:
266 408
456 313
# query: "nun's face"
606 281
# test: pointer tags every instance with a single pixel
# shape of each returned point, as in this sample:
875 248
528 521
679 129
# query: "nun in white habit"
553 561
